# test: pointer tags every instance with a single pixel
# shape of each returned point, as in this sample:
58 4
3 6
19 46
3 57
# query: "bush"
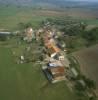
79 86
3 38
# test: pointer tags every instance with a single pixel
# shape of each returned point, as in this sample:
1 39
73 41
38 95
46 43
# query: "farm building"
56 70
74 73
55 63
4 35
56 74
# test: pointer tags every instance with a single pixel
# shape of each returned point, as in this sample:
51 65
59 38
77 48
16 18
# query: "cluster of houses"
54 69
57 65
29 34
4 35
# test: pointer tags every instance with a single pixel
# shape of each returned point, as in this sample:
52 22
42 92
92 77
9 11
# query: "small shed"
22 57
74 72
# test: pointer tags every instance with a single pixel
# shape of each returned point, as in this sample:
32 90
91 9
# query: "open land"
11 16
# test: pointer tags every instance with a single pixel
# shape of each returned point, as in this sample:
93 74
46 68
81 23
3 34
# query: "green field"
11 16
26 81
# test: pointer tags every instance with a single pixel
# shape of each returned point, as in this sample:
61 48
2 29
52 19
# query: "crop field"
11 16
88 60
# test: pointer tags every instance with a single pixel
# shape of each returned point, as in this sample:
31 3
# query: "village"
54 61
56 66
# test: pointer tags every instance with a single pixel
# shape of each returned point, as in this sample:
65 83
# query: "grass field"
88 60
11 16
26 81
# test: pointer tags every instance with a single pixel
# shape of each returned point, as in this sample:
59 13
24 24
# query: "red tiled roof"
57 70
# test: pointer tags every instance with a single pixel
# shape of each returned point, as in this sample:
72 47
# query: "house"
38 33
57 73
22 57
61 45
51 46
61 58
54 74
58 56
53 49
51 34
57 79
29 34
53 55
55 63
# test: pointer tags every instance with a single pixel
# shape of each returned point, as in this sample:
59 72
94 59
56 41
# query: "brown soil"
88 60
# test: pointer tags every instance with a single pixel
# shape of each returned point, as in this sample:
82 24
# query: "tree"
28 25
92 98
90 83
91 36
3 37
79 86
21 26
